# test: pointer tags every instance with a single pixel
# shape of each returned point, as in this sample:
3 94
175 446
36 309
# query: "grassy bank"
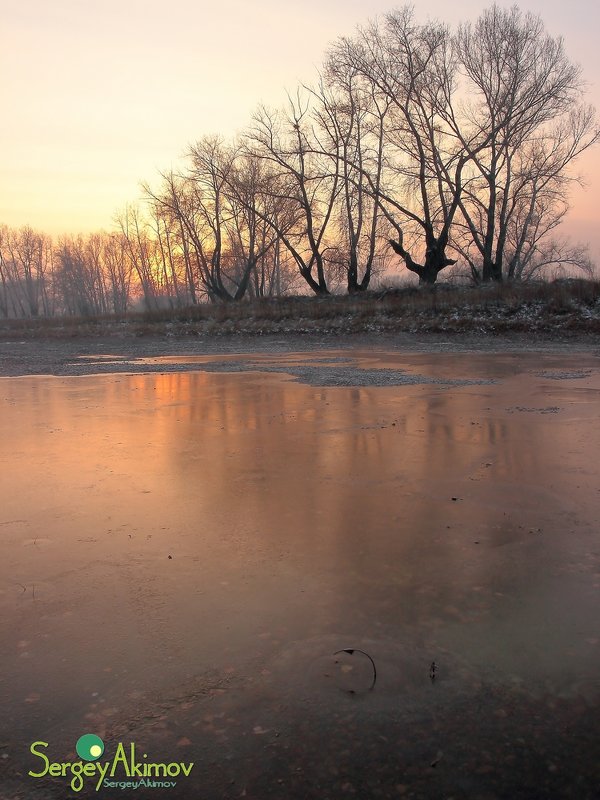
562 307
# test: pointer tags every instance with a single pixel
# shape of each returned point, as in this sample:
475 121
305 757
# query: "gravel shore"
130 354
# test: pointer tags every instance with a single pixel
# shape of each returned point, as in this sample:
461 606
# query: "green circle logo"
89 747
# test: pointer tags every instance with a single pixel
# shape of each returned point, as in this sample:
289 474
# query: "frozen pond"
183 553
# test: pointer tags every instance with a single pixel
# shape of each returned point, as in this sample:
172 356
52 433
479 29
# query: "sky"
99 95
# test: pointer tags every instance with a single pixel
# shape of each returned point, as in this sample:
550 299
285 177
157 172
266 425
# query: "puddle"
188 557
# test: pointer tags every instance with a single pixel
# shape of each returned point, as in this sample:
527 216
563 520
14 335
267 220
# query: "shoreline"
83 355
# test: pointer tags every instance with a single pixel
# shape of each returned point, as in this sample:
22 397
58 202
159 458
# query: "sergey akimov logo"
89 747
123 771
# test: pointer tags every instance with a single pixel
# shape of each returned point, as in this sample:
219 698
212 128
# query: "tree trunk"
491 272
435 260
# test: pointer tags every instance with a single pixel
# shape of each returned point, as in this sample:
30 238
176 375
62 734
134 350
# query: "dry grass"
571 306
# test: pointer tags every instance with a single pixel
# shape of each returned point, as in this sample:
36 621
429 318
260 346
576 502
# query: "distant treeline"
417 145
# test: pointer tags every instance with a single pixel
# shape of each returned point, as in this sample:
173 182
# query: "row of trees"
76 276
443 148
146 264
446 147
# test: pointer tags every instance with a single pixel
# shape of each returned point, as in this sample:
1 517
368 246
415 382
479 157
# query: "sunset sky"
97 95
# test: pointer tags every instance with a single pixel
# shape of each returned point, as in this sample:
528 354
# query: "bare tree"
522 128
538 253
411 67
197 201
207 213
174 204
4 298
303 182
118 272
25 264
256 215
350 120
140 247
224 219
82 282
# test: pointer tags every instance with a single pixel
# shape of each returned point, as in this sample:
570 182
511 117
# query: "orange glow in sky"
98 96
